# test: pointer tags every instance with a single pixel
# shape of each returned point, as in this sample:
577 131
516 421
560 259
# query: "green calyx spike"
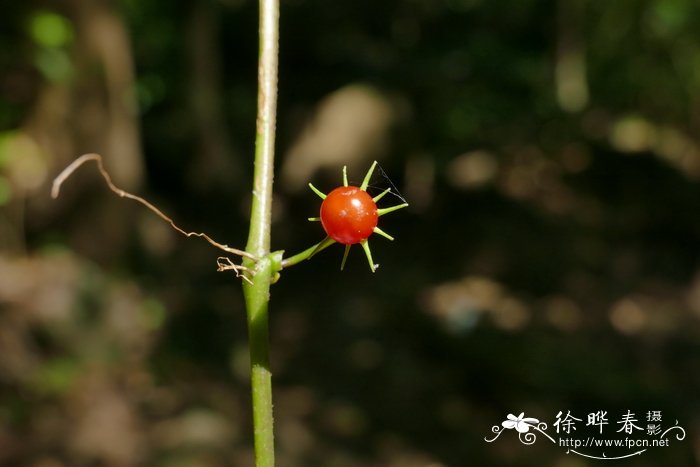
365 182
317 191
379 231
345 257
383 211
368 253
381 195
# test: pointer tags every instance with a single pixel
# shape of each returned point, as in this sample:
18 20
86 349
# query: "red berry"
349 215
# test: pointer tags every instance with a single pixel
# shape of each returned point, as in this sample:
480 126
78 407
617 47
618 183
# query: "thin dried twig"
224 263
68 171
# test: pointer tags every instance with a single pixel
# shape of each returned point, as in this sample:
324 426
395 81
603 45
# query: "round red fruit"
349 215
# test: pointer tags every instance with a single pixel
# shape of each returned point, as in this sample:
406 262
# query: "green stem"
257 298
307 254
257 293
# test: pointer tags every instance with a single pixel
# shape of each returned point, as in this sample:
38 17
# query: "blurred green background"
548 261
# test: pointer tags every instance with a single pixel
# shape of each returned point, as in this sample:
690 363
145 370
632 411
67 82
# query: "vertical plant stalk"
257 293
